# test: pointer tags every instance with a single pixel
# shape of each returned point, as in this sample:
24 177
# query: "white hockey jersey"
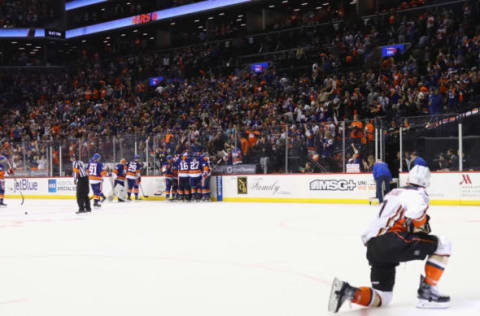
398 206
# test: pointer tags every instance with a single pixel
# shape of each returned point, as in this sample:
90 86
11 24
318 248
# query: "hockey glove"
425 228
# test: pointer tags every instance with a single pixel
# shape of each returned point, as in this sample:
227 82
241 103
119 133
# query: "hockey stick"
141 190
19 190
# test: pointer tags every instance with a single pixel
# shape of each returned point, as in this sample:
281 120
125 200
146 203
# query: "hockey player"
134 177
206 172
183 167
120 171
195 173
175 176
399 233
236 156
95 175
3 159
170 182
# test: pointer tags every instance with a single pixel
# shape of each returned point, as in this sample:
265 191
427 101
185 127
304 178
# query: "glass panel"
29 158
471 143
126 147
434 139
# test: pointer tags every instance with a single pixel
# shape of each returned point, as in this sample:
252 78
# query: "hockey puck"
26 213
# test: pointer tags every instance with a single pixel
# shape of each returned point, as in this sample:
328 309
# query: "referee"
80 178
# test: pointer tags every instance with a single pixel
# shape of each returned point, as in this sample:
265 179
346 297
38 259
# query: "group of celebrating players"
186 178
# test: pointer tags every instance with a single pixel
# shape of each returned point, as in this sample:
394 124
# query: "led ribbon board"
75 4
152 16
5 33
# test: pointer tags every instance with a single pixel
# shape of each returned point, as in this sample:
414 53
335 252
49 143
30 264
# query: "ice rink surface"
215 259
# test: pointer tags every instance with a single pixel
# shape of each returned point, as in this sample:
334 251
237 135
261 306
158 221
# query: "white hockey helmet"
419 175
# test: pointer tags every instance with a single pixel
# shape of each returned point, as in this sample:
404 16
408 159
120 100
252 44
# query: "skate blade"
425 304
333 300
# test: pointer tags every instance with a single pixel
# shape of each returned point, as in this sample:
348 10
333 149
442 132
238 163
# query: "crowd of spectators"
258 114
27 13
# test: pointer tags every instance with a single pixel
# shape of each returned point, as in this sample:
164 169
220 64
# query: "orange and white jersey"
399 205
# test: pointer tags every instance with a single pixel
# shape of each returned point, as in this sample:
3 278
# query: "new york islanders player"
133 177
206 172
95 176
399 233
170 181
120 172
195 173
3 173
183 167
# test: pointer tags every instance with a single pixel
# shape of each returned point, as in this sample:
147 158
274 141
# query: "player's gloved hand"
139 180
11 171
425 228
75 181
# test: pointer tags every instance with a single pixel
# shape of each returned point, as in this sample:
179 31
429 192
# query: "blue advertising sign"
155 81
52 185
259 67
219 183
392 50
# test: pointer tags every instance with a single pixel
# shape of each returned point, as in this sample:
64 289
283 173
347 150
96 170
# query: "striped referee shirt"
79 169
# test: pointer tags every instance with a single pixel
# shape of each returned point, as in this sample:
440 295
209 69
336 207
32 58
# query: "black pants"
82 194
385 252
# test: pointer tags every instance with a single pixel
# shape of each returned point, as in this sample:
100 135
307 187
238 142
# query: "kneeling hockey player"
400 232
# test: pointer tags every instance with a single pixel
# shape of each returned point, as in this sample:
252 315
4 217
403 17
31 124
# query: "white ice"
215 259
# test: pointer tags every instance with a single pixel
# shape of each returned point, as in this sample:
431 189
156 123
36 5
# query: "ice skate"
340 292
3 204
429 297
96 204
102 199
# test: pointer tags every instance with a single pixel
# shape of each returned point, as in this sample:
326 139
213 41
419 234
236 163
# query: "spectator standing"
416 160
382 177
435 103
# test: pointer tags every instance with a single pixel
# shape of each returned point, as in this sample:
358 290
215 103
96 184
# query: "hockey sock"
128 195
363 296
433 271
136 195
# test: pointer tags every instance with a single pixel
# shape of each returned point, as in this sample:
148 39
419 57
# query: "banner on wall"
452 187
314 187
235 169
